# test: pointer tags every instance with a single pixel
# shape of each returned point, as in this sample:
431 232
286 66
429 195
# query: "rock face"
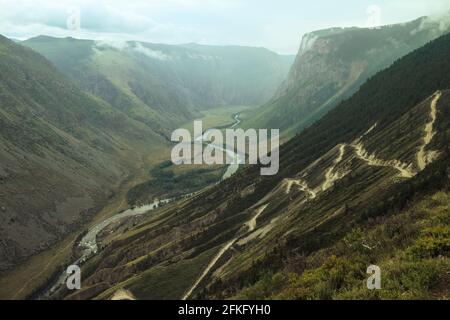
332 64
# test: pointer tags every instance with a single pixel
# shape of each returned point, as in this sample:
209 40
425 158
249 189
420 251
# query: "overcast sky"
274 24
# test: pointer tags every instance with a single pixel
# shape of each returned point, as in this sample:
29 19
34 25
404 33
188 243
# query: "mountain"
166 85
366 184
332 64
63 153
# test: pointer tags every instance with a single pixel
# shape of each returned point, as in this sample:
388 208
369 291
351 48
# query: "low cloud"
135 46
438 23
154 54
115 44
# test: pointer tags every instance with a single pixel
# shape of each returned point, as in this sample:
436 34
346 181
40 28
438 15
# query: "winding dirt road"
252 223
404 169
302 185
123 294
331 176
251 227
423 157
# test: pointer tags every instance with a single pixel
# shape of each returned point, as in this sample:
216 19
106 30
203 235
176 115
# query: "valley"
93 151
109 160
88 243
42 268
342 174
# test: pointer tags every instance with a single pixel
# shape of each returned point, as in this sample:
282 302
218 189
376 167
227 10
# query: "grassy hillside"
410 246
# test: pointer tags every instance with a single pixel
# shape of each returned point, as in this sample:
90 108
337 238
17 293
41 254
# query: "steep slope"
62 153
332 64
358 165
165 85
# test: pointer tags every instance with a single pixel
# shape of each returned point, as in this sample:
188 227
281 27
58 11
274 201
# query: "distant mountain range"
332 64
166 85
